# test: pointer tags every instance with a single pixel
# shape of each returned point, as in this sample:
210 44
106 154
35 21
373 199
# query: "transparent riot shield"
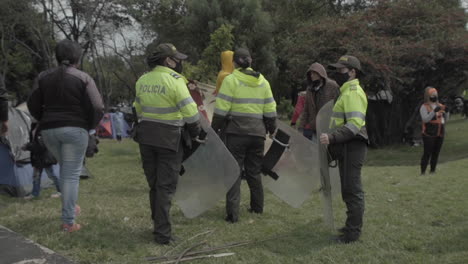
329 176
298 169
209 173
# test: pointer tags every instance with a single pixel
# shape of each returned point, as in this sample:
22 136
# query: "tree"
208 67
189 25
24 46
403 48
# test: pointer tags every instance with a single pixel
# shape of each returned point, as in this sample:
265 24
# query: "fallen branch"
209 250
182 255
199 257
209 232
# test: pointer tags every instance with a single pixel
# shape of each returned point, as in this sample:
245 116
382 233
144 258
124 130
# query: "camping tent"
16 170
107 128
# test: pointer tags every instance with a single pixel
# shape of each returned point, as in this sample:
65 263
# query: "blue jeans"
37 180
68 145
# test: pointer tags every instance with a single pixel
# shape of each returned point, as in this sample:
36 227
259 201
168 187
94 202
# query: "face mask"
316 85
178 68
433 99
341 78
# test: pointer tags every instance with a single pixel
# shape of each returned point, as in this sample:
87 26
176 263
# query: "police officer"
245 110
350 135
164 108
3 108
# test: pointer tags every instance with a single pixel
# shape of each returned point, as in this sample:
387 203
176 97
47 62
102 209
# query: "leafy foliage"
403 45
208 67
403 48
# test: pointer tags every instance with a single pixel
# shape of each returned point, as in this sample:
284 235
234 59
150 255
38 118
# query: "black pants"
161 167
351 187
248 152
432 146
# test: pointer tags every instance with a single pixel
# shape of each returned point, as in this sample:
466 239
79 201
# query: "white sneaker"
55 195
28 197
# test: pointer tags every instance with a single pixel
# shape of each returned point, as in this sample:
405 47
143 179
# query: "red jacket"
299 107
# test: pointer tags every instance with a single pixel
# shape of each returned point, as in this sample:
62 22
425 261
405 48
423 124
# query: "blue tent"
15 167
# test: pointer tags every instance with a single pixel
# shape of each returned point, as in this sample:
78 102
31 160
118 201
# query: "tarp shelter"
15 167
107 127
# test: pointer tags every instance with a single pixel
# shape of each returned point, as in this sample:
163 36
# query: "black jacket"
72 101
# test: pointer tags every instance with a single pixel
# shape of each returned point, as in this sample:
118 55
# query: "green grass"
408 219
455 147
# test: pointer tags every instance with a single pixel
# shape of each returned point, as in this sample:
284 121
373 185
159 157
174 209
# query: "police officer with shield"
164 108
348 142
245 111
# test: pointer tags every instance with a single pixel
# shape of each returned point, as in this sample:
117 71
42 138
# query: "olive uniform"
164 107
348 125
245 110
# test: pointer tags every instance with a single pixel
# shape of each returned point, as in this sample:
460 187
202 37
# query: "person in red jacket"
433 115
299 108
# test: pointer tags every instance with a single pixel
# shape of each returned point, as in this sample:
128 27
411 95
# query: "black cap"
167 50
347 61
241 53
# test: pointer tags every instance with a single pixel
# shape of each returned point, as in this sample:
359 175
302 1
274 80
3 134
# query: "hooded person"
227 67
433 116
245 111
320 90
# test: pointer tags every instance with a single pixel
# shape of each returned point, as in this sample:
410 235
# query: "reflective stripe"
224 97
338 115
352 127
241 83
159 110
355 114
192 119
257 116
271 114
221 112
246 100
185 102
178 123
252 101
349 115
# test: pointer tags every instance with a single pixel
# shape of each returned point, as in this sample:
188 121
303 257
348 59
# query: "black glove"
437 109
293 124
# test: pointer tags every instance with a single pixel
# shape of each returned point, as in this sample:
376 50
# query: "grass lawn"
409 218
455 147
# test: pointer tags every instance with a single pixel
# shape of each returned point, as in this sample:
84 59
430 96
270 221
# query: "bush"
285 109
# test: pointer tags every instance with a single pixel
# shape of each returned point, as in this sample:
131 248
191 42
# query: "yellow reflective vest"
246 100
162 96
163 105
349 113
